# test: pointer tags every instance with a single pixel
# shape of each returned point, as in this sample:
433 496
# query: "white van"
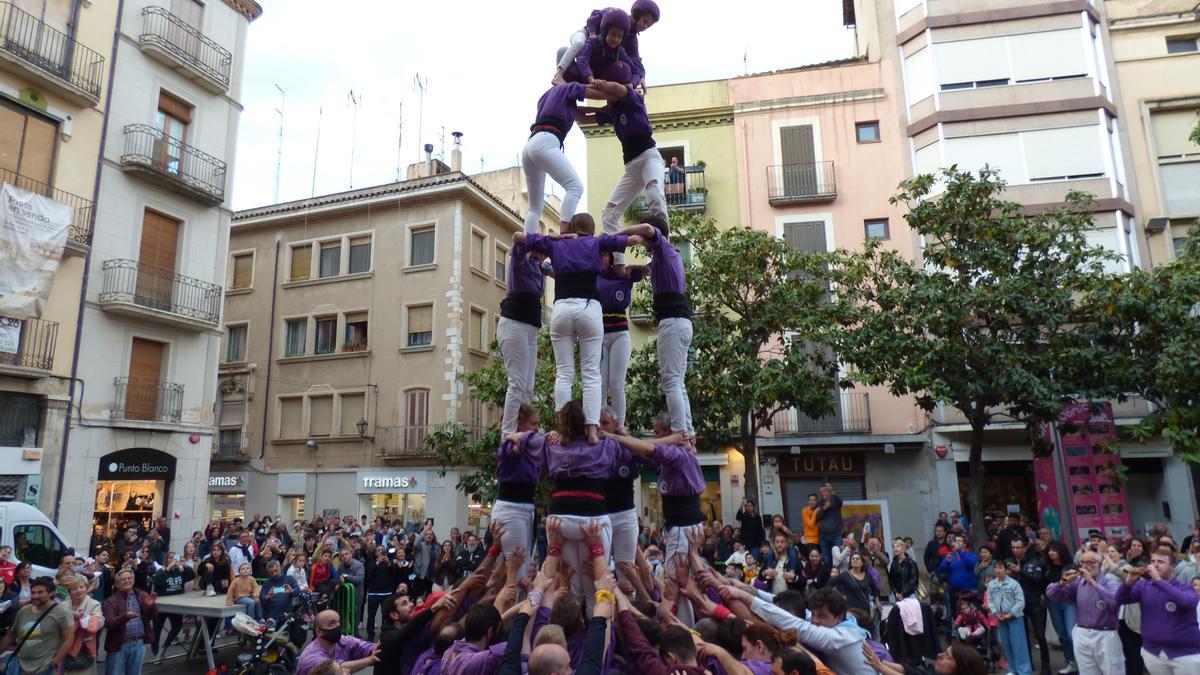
33 538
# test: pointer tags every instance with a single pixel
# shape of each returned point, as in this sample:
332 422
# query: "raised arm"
643 230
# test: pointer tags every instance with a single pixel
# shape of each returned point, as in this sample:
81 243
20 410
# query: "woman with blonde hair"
89 619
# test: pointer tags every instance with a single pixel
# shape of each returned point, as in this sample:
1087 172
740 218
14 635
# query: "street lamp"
361 424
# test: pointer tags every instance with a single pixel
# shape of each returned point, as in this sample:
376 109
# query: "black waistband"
681 511
615 321
576 285
550 124
576 506
523 307
518 493
618 494
635 145
671 305
1093 627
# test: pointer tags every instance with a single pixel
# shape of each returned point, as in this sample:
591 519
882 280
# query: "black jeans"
1131 645
159 622
1035 622
373 603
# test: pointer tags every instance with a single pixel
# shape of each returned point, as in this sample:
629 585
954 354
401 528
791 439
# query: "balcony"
27 347
147 400
79 236
48 56
232 446
161 295
852 416
408 441
689 196
801 183
168 39
173 164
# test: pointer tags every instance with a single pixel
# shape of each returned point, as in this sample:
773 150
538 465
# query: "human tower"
592 465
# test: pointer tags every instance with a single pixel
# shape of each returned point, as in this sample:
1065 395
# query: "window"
27 144
320 415
172 120
331 259
1182 44
326 342
478 317
360 255
295 335
353 409
420 326
37 545
1177 245
19 420
301 262
421 246
416 418
291 417
876 228
1178 160
867 132
1072 152
235 344
998 61
501 261
478 250
356 332
243 270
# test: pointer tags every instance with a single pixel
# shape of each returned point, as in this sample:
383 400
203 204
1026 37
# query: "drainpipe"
83 286
270 350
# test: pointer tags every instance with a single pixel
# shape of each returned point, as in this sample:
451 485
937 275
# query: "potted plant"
700 164
356 346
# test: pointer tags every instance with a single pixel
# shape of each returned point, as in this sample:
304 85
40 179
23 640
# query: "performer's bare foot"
558 77
592 436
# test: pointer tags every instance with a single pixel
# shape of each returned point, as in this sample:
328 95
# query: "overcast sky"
484 64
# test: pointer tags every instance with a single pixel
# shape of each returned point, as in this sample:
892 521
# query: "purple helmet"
648 6
614 18
618 72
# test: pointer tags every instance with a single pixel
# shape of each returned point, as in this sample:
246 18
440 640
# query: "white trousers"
1160 665
644 172
624 535
577 320
566 55
575 553
614 364
675 542
517 520
542 156
674 340
1098 651
518 349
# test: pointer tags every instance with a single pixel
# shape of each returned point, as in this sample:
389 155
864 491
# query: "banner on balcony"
33 233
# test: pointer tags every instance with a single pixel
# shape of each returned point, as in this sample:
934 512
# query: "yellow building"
1157 57
55 62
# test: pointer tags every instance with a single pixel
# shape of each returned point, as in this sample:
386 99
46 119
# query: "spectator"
984 569
856 585
816 572
903 574
936 550
88 619
783 567
50 621
381 582
350 570
469 556
1006 602
128 619
1062 614
958 568
244 550
243 591
1097 646
351 653
216 572
170 580
1029 570
753 534
829 521
22 583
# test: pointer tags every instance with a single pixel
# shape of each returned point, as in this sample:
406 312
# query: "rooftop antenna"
442 141
399 139
421 85
355 101
317 151
746 60
279 147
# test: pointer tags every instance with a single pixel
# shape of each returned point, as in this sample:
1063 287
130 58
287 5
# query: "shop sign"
137 463
227 482
391 482
822 464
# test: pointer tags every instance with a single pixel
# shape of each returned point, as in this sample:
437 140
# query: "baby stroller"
976 616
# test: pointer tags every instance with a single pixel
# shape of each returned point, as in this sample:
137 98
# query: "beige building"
55 60
327 391
1157 54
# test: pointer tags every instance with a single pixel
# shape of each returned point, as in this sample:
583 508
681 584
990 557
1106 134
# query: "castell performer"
616 291
644 14
519 464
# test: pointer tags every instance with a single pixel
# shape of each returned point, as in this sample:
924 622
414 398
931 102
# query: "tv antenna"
279 146
355 102
422 86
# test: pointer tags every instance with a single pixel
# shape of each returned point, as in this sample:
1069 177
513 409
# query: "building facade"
54 81
151 321
350 320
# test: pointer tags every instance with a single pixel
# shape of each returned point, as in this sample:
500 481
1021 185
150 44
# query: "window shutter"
353 409
320 415
1053 153
1055 53
416 412
291 411
243 270
808 237
420 319
301 262
971 60
1171 131
174 107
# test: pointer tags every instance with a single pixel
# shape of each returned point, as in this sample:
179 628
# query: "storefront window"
227 506
123 503
409 508
293 508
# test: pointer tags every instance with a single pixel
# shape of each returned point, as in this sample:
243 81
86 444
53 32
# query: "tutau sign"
822 464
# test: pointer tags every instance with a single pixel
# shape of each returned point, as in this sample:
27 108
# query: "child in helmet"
643 15
603 50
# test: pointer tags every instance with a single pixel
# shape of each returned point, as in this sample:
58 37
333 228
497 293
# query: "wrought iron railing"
81 220
801 182
151 147
409 440
50 50
151 400
28 343
852 414
163 290
184 42
233 445
683 190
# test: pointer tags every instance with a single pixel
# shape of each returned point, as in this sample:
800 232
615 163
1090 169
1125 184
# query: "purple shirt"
628 117
594 58
557 106
1168 615
616 292
580 459
679 473
524 274
521 462
1095 607
464 658
576 256
428 663
347 649
666 266
629 44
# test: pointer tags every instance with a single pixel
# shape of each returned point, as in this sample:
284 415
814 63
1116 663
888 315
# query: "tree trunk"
977 474
750 457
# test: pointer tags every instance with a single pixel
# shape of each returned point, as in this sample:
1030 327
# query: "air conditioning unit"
1156 225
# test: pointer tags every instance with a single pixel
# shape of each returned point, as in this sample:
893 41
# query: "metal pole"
354 101
316 151
279 148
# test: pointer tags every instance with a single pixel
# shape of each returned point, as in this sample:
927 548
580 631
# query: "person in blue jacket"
958 568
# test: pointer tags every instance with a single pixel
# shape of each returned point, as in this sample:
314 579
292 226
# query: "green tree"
989 322
748 290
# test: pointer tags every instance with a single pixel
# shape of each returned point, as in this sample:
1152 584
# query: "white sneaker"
1069 668
209 592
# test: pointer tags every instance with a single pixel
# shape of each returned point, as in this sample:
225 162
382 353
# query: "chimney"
428 160
456 153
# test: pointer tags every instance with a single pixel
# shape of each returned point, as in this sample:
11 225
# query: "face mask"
332 635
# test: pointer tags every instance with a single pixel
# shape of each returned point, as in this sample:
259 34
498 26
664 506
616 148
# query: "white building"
151 329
